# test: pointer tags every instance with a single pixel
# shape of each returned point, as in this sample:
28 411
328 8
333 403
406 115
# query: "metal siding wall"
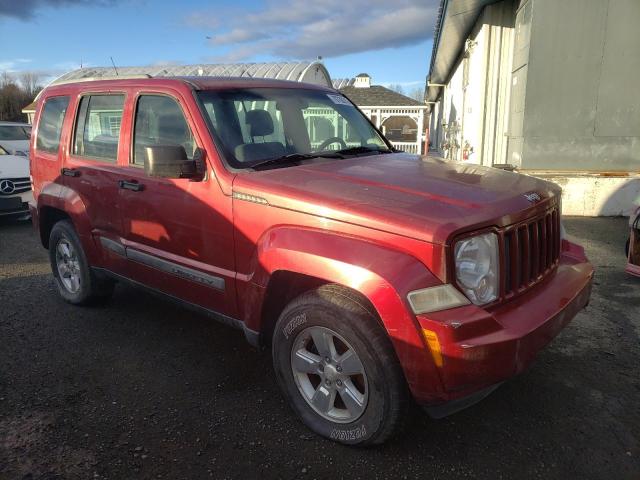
521 49
580 111
474 94
498 22
618 112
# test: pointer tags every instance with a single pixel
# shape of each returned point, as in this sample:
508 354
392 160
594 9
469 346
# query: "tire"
76 282
359 409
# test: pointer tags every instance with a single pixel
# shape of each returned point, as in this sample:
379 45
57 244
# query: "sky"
391 40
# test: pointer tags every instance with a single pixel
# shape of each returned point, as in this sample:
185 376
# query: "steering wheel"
331 140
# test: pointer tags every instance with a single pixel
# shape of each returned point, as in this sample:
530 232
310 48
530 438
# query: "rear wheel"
75 280
337 368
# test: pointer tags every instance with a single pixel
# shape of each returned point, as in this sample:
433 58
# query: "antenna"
114 65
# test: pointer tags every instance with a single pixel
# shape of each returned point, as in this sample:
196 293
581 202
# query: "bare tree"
396 87
5 79
14 96
417 93
30 82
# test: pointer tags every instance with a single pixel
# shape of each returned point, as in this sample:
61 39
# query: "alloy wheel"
329 374
68 266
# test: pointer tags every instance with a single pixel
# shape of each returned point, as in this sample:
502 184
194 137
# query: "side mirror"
169 161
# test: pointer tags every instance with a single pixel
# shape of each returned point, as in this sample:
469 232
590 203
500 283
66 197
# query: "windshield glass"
14 132
258 124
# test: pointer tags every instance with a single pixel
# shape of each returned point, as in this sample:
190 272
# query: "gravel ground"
139 388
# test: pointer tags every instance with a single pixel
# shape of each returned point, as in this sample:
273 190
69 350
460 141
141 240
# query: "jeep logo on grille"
7 187
533 197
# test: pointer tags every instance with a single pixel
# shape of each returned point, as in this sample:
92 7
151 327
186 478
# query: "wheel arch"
378 274
47 218
286 285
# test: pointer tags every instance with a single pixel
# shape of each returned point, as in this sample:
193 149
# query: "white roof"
339 83
310 72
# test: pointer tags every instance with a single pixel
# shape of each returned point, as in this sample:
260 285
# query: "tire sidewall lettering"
294 324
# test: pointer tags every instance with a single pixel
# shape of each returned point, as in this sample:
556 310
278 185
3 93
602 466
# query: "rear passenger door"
91 173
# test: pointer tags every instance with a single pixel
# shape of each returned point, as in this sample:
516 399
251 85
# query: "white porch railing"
409 147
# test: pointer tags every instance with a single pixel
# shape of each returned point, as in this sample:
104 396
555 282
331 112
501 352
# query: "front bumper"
15 205
482 348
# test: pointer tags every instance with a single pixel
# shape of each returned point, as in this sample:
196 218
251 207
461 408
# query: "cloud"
200 20
330 28
27 9
238 35
13 64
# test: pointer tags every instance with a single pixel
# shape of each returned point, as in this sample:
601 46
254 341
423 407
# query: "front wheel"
337 367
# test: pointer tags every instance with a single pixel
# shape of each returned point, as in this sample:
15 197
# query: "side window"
98 127
160 121
50 124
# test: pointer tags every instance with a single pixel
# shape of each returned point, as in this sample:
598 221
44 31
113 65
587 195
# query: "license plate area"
12 203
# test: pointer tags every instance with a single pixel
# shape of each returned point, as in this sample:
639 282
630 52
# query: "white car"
15 186
14 138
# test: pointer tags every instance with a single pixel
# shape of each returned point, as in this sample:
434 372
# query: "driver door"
178 232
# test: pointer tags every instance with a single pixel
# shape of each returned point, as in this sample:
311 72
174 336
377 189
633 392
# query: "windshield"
14 132
258 124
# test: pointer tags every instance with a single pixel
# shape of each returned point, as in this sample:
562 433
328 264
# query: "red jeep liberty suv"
375 276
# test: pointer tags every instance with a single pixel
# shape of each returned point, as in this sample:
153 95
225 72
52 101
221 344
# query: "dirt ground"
139 388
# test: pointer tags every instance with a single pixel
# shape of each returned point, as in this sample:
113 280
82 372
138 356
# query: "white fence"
409 147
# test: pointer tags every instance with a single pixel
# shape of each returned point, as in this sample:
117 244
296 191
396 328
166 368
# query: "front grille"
531 250
22 184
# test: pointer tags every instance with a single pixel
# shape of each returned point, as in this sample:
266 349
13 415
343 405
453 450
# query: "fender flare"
380 273
70 202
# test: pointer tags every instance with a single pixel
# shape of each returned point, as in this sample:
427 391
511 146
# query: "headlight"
477 267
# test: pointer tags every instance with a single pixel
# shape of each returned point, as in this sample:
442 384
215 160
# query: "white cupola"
363 80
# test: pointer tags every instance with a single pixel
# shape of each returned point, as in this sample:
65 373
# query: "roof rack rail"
62 81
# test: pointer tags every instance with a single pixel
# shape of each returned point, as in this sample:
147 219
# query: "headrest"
260 123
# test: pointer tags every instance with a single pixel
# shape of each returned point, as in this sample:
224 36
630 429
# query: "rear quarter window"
50 124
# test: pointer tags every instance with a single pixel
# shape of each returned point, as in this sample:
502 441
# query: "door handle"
70 172
132 185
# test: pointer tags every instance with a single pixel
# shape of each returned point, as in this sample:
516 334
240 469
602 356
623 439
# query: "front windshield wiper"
363 149
294 157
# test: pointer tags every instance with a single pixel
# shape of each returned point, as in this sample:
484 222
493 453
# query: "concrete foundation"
593 195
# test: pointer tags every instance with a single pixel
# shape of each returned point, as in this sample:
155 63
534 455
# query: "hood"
13 146
13 166
418 197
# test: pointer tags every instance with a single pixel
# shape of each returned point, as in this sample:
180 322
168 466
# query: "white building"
400 118
544 85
